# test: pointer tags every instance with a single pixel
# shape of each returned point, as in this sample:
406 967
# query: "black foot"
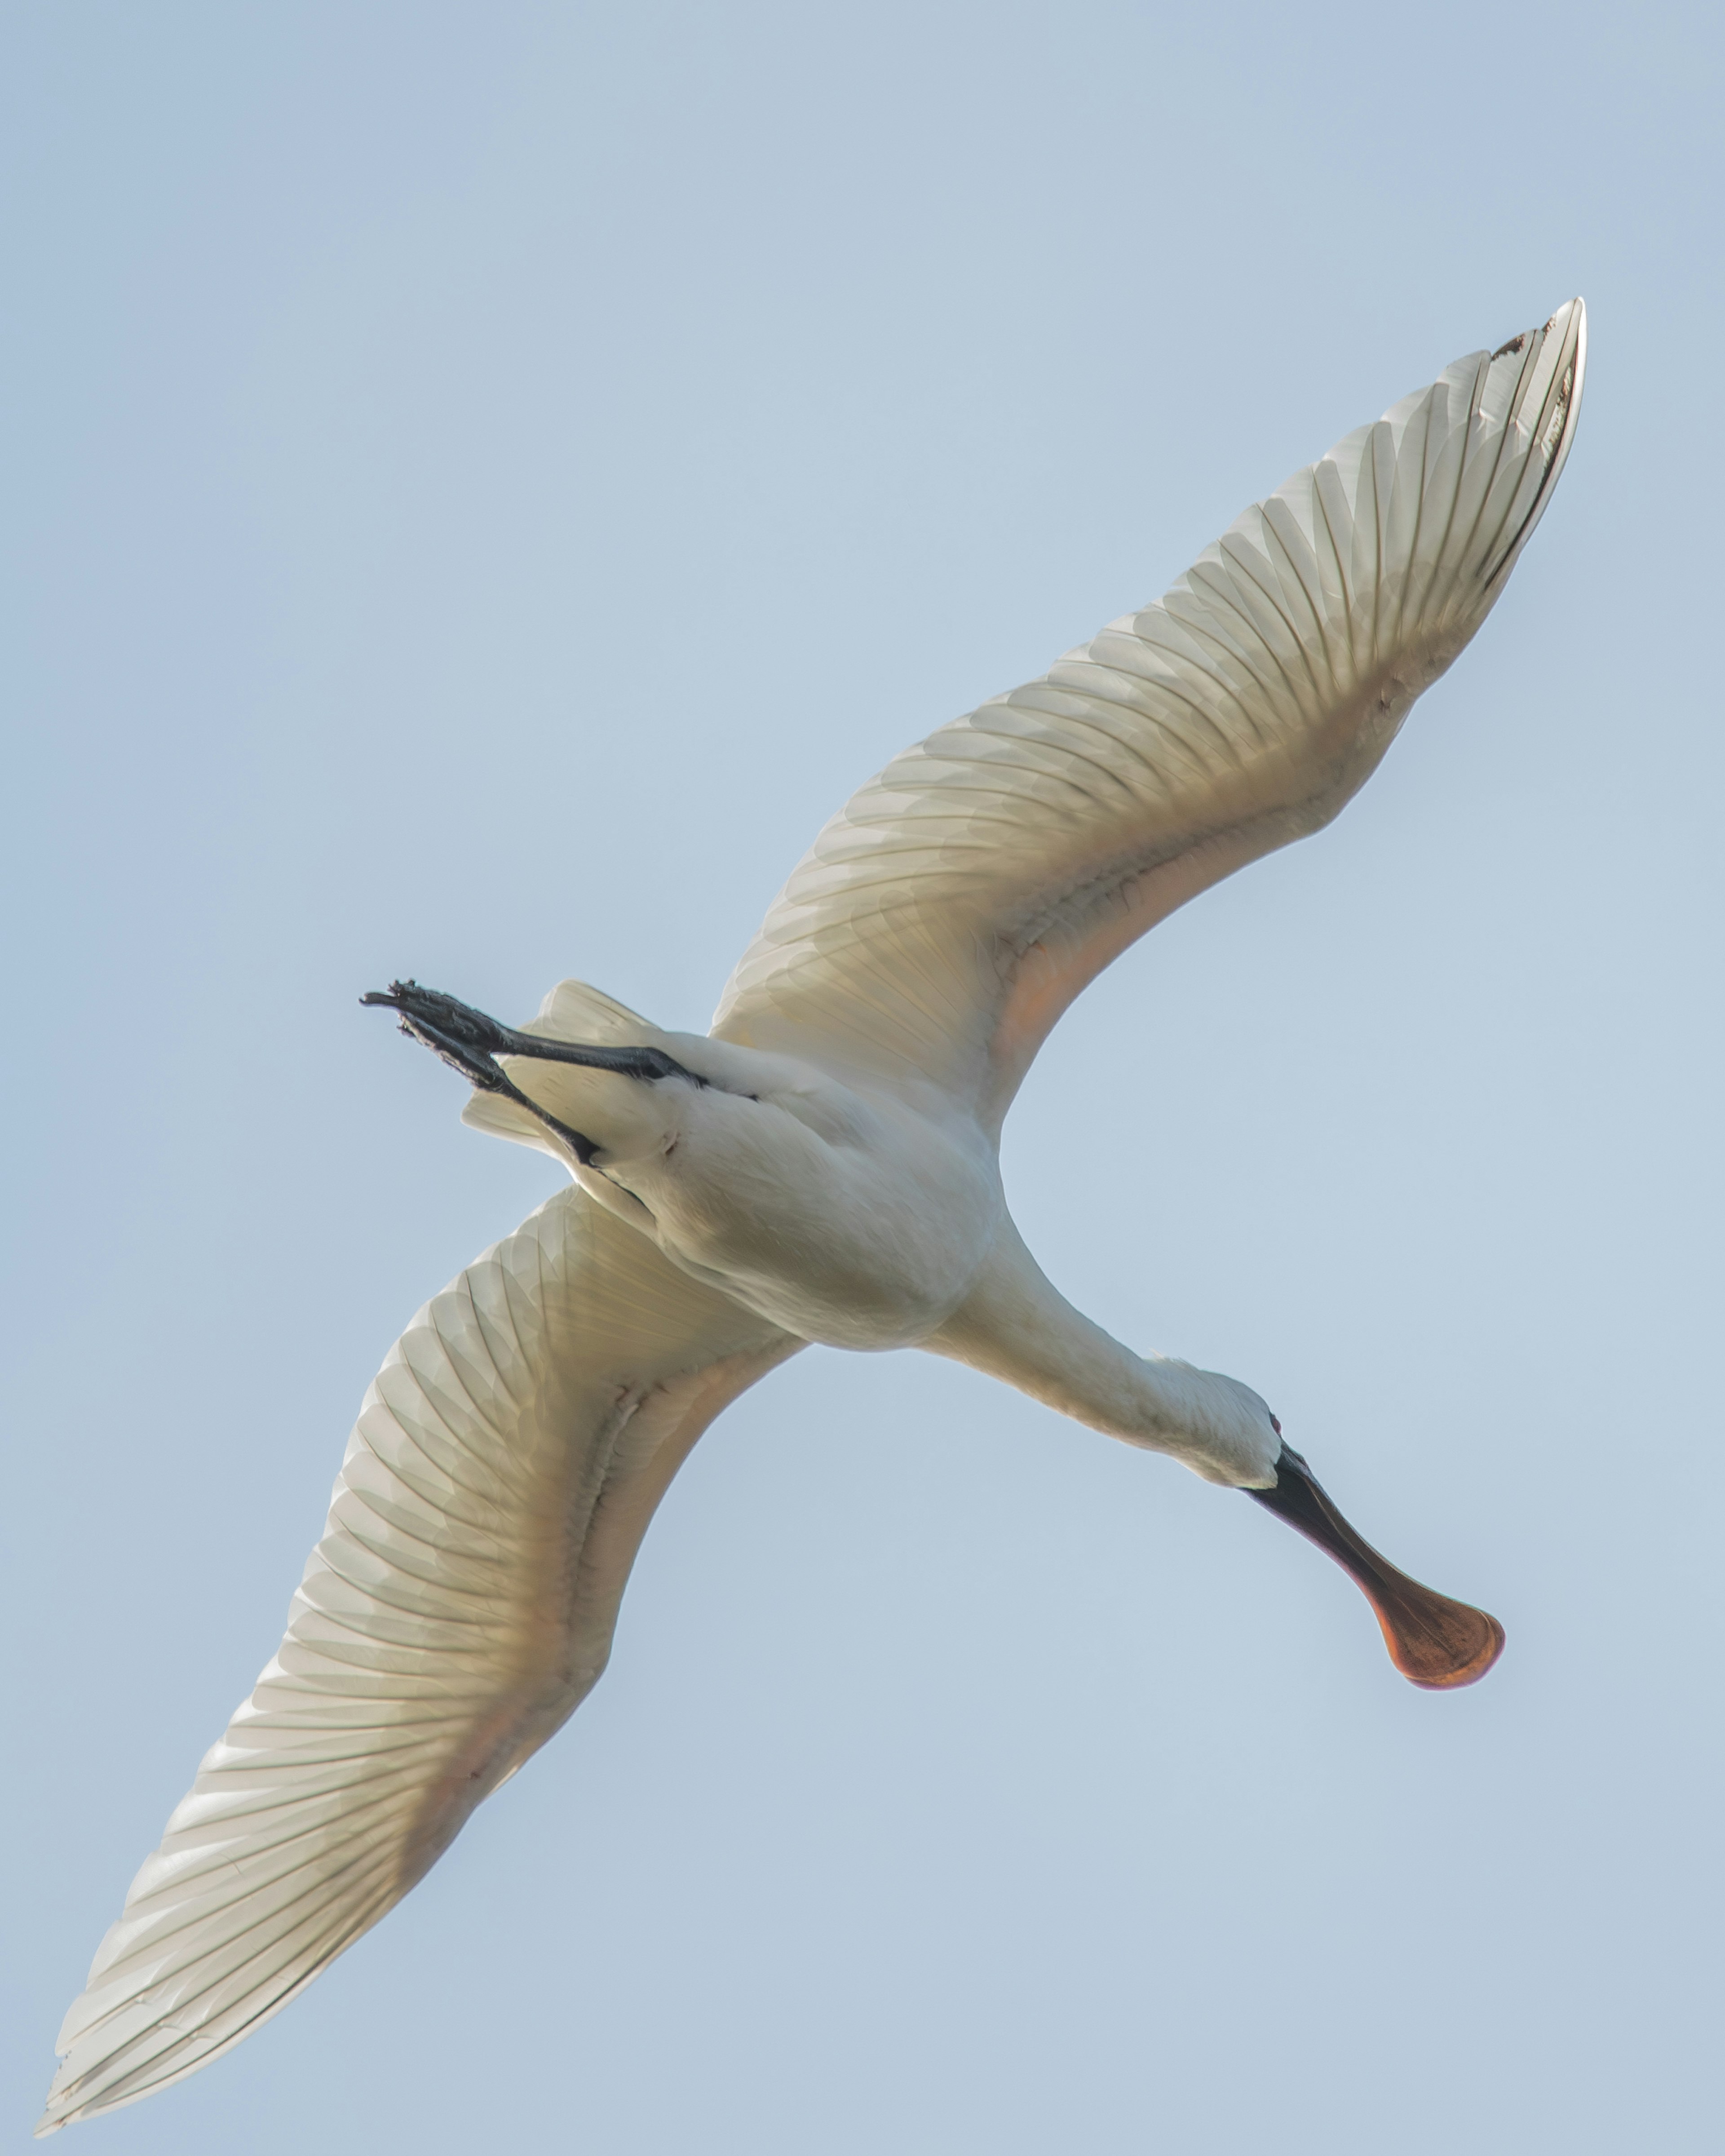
468 1041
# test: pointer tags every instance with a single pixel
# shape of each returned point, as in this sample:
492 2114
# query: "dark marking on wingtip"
1515 344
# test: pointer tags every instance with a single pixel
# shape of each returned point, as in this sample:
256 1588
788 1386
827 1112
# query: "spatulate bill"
1434 1642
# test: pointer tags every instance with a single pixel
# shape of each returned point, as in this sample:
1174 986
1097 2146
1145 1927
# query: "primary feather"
458 1610
957 903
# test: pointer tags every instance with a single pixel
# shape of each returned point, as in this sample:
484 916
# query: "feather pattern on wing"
458 1608
956 905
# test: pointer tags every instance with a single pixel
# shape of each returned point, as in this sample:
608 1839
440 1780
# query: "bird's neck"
1016 1326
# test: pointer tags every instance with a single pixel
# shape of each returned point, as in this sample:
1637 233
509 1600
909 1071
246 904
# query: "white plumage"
823 1166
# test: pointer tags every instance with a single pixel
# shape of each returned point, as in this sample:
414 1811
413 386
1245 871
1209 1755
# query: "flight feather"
953 909
459 1606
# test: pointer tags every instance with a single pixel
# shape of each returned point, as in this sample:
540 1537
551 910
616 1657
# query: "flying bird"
822 1165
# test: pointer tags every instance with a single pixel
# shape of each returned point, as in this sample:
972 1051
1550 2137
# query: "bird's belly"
856 1247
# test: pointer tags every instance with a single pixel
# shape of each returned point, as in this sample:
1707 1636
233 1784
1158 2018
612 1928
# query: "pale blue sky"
481 484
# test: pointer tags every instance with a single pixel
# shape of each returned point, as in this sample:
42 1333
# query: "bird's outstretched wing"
458 1608
953 909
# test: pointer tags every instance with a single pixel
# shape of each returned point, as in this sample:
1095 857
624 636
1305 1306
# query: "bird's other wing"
953 909
459 1606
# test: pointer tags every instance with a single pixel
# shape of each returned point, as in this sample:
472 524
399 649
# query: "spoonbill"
822 1165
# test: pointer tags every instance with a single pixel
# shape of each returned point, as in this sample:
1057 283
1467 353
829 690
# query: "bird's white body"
843 1214
825 1168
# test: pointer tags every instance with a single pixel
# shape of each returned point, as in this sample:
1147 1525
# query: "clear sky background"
482 484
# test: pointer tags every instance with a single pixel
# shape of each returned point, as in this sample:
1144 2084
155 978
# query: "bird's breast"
866 1245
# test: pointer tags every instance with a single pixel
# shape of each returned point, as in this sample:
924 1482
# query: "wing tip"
1546 395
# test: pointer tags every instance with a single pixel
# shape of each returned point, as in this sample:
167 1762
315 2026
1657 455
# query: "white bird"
822 1166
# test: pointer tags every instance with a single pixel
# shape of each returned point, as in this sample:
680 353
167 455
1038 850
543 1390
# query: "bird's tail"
617 1113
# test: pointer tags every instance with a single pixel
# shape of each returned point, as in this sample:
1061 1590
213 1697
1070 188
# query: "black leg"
468 1041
